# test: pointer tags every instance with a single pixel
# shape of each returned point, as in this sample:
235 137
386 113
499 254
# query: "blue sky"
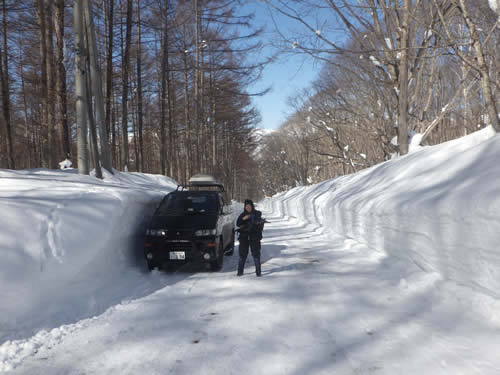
286 76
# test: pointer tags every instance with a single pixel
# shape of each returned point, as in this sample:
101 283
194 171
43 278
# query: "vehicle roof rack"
204 181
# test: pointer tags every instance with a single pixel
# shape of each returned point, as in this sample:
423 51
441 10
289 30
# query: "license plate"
177 255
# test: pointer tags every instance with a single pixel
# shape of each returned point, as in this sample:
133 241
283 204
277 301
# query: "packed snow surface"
69 244
393 270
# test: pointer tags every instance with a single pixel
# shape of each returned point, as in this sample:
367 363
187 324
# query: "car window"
188 203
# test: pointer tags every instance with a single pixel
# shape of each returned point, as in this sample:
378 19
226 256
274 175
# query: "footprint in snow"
369 331
199 336
209 316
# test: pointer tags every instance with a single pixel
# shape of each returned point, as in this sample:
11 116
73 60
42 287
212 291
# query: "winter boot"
241 266
257 266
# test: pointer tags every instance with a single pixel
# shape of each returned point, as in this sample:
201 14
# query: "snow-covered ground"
438 207
393 270
69 245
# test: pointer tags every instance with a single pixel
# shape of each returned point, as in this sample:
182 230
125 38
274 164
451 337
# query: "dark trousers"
246 242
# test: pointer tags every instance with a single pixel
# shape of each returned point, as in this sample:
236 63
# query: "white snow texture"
64 238
438 208
392 270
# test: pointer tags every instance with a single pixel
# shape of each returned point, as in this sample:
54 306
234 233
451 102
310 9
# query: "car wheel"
168 268
230 251
216 265
151 266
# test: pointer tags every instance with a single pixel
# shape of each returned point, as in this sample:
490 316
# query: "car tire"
151 266
230 250
169 268
216 265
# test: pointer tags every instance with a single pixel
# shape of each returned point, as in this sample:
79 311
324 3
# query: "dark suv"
192 225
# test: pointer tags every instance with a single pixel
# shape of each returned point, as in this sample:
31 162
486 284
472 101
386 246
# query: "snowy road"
325 305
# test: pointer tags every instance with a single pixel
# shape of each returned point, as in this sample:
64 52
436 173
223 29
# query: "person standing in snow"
250 225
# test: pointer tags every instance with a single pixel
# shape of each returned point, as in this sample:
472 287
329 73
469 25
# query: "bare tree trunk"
62 105
465 71
139 90
6 116
43 71
196 83
163 98
403 81
187 120
96 77
90 112
113 132
162 121
169 96
49 34
212 116
116 121
80 74
37 144
109 76
175 131
4 78
483 69
31 146
125 78
134 132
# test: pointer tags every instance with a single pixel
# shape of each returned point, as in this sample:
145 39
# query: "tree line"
160 86
395 75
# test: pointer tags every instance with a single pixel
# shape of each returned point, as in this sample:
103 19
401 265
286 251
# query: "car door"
226 218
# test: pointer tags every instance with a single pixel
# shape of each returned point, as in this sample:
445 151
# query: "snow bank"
68 242
438 207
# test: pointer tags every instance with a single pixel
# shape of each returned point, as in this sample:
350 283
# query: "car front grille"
179 234
179 246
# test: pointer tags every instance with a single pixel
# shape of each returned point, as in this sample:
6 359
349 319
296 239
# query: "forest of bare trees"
156 86
393 73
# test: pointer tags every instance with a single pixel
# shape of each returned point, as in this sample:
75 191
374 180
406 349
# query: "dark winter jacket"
253 226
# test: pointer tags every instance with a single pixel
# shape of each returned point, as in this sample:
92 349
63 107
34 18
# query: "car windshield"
188 203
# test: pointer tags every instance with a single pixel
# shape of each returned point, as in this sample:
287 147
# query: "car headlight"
205 232
156 232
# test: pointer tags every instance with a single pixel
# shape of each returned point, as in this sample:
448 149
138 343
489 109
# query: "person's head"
249 207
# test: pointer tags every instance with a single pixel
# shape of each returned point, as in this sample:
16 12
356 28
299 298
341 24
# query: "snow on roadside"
70 246
325 305
437 207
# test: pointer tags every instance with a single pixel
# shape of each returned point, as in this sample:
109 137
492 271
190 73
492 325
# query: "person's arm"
258 222
240 220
